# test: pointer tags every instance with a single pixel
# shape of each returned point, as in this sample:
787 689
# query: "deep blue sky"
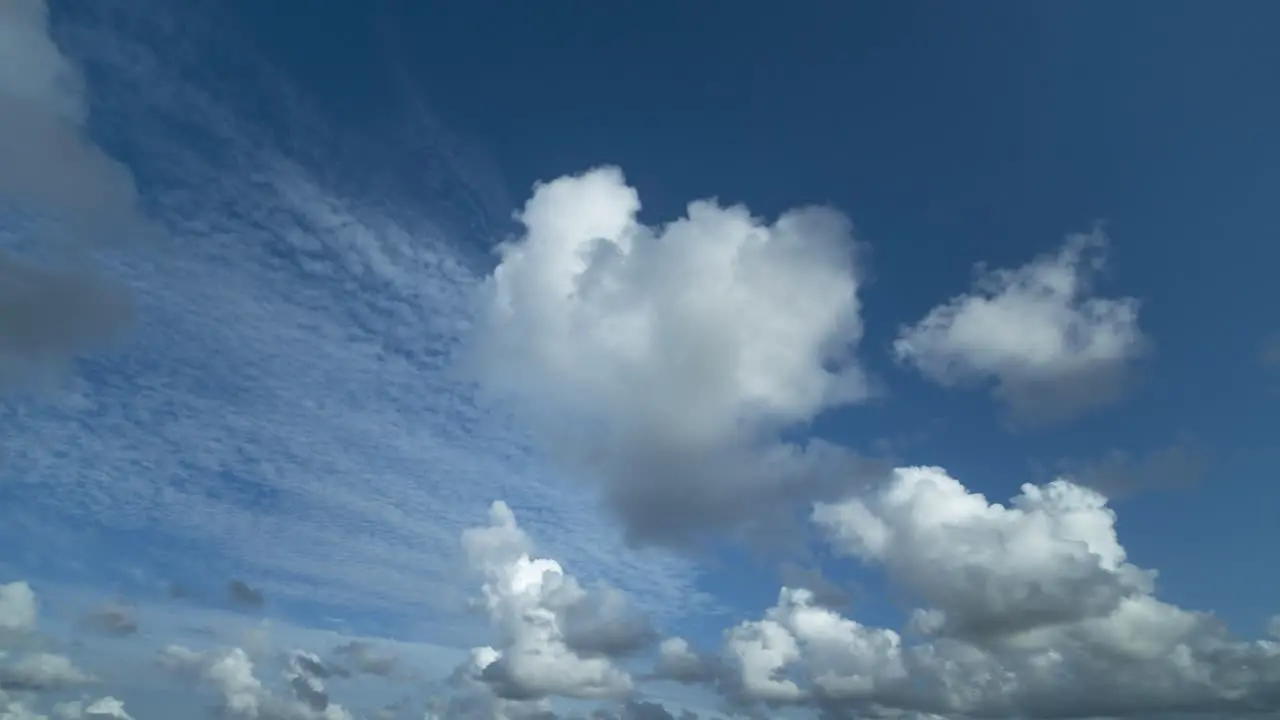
951 133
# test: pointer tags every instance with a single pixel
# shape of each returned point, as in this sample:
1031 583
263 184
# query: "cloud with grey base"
50 167
1050 349
673 356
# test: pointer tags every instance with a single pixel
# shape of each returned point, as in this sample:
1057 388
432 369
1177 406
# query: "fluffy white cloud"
49 165
42 671
678 661
1032 612
530 602
983 568
230 673
18 609
1051 347
672 355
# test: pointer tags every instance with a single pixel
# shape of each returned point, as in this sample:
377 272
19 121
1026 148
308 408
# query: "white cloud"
41 671
673 355
678 661
530 600
1051 556
231 674
18 609
1081 634
1052 349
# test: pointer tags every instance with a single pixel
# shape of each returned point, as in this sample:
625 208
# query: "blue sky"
261 326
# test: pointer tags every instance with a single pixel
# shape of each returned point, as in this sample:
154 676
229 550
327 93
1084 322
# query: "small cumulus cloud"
532 603
241 593
1051 347
1025 610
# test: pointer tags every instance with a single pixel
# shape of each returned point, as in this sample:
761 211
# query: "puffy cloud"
13 710
1052 349
42 671
1051 556
231 674
528 600
672 356
367 658
679 662
1121 653
844 659
18 609
49 165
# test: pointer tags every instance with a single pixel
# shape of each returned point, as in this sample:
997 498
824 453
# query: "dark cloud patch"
241 593
1119 474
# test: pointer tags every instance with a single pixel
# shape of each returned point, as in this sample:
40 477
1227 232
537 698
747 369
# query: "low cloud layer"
673 356
1026 610
1050 347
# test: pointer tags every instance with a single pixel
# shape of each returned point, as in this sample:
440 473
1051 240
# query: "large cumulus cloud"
665 360
555 636
1025 610
1051 348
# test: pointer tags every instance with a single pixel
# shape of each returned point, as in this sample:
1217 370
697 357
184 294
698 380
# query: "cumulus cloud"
42 671
679 662
1052 349
18 609
103 708
530 601
672 356
1051 556
1029 611
231 674
365 657
50 166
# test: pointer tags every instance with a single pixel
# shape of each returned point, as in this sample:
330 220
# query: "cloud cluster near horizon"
1030 609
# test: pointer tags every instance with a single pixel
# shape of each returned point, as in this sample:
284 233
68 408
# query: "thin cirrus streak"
286 406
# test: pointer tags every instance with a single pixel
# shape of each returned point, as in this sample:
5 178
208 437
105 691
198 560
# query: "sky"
638 361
